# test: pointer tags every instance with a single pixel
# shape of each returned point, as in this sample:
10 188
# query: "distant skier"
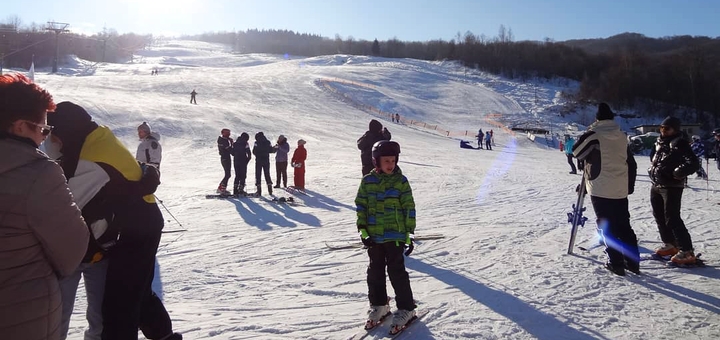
192 97
298 163
385 226
672 162
698 149
281 149
492 137
225 146
611 172
568 146
149 151
242 154
488 137
466 145
262 150
375 133
480 137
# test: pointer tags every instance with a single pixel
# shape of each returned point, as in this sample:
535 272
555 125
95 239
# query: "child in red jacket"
298 163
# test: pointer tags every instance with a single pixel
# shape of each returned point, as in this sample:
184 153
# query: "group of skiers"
487 137
385 211
238 153
610 171
84 208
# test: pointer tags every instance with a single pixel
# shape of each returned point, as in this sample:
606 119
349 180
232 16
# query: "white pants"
94 278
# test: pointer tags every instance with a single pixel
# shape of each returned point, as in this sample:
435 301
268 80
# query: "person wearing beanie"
242 154
609 177
43 236
225 147
672 161
262 150
375 133
149 151
298 163
116 197
281 148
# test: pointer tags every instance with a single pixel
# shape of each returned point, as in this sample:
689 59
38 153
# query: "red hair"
21 99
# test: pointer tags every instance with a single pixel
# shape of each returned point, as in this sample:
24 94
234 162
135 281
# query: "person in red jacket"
298 163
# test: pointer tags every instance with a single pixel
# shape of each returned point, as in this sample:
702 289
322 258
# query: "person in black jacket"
375 133
242 156
225 147
262 150
672 162
610 177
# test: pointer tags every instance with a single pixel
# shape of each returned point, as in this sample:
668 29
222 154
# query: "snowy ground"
250 269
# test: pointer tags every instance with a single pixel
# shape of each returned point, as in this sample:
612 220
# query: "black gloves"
409 247
365 237
150 179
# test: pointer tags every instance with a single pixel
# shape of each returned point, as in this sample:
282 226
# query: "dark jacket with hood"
241 149
365 143
672 161
262 149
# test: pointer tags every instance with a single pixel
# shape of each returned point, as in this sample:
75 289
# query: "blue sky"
409 20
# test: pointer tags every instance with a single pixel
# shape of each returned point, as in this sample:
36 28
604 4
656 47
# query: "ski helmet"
385 148
716 132
696 138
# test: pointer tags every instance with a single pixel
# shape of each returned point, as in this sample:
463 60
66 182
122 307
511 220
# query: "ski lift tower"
57 27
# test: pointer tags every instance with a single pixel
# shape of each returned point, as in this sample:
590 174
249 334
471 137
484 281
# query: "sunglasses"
44 129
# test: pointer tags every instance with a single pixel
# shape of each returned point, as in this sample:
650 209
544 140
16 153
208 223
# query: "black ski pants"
570 161
240 175
389 255
613 221
281 172
487 144
260 169
227 165
129 303
666 204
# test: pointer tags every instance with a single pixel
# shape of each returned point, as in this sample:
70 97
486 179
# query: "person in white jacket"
149 151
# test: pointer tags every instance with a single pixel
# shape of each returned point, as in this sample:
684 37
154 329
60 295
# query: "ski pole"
168 210
707 179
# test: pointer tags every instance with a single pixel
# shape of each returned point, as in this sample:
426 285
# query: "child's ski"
418 315
337 245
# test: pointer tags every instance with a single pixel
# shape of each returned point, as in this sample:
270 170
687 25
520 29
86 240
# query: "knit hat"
671 122
145 127
301 142
282 138
68 120
375 126
604 112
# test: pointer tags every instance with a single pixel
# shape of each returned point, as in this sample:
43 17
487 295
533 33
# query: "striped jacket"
385 206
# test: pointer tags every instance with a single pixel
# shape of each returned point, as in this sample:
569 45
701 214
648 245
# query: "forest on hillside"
654 77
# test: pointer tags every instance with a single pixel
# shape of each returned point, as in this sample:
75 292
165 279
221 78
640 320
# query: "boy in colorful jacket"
386 221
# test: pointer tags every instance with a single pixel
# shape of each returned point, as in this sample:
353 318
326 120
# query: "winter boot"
376 315
632 266
400 319
666 250
684 257
259 191
270 189
222 190
617 270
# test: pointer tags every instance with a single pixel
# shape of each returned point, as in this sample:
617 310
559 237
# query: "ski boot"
684 257
222 190
376 315
270 187
401 319
666 250
615 269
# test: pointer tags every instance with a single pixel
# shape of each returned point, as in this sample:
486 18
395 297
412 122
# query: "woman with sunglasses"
42 234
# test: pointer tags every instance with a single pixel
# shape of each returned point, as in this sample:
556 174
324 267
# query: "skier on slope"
672 162
242 154
375 133
480 136
262 150
385 228
698 149
568 147
225 144
298 163
281 148
488 137
149 151
192 97
611 170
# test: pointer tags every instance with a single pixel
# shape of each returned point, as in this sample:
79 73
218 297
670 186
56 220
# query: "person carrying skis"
610 171
149 151
568 146
375 133
242 154
386 223
192 97
480 136
298 163
117 198
281 149
672 162
698 149
488 137
262 150
225 147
